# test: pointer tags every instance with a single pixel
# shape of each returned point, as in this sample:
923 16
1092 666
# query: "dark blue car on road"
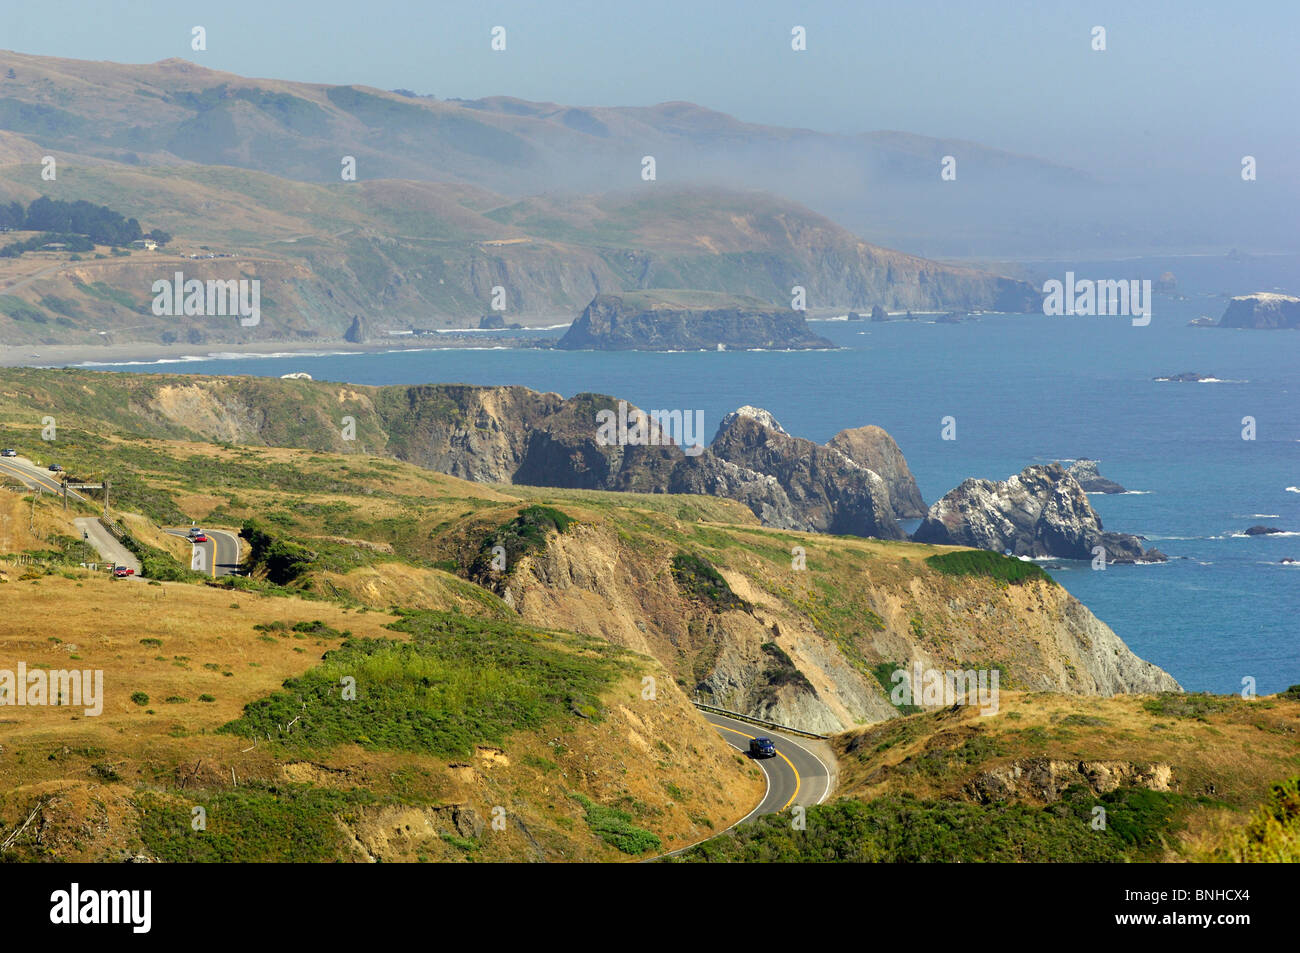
762 748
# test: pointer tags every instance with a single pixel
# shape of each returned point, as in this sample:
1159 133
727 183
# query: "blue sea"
1023 389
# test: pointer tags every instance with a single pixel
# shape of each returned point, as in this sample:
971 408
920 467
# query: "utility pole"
105 496
64 485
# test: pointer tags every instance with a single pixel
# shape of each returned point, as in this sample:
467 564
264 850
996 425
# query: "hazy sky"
1181 83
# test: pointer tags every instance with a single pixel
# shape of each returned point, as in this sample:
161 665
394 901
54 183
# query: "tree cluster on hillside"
98 223
74 243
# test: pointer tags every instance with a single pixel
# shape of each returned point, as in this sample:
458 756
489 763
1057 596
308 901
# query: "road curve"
220 552
33 476
794 776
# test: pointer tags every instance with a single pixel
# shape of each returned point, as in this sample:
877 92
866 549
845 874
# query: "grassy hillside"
418 254
521 685
175 112
231 700
249 170
1176 777
372 529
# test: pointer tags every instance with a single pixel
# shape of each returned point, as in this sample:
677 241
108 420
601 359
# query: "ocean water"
1023 389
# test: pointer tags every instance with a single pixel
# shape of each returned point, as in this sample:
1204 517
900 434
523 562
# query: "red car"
199 538
121 572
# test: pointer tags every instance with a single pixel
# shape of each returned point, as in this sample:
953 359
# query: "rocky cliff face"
1041 511
644 322
1263 311
793 656
876 450
514 435
831 491
1046 779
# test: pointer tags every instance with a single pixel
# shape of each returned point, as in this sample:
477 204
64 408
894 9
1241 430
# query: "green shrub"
455 683
615 828
464 843
908 830
980 562
282 561
698 579
1273 835
524 534
1187 704
289 823
884 672
780 670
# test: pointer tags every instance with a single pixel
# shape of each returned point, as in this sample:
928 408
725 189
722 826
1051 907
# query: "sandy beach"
60 355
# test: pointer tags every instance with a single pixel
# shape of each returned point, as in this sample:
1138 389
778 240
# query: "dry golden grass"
204 631
16 518
1231 756
89 768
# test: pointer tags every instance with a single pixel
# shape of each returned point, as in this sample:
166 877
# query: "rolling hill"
451 200
520 692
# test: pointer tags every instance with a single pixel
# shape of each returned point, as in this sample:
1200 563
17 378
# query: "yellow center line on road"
778 754
25 475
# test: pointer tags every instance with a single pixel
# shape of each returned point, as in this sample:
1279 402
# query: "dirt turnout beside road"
93 532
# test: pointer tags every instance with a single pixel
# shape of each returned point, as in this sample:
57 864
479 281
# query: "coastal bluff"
687 321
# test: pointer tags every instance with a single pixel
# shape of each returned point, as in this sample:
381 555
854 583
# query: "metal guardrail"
758 721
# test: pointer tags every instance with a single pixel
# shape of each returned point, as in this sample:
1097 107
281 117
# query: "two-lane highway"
796 776
33 476
219 555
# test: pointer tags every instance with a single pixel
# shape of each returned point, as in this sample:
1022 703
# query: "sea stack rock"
356 332
687 321
1041 511
1262 310
831 491
873 448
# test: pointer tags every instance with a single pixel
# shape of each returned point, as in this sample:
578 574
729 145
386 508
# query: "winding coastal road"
33 476
220 552
796 776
